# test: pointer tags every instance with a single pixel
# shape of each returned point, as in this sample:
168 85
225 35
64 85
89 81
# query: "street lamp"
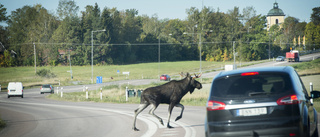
199 45
70 63
185 33
92 52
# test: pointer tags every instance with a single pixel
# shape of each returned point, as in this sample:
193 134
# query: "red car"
165 77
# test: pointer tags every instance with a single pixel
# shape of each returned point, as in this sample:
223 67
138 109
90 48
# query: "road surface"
36 116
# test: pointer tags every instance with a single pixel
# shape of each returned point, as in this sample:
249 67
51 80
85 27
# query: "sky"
176 9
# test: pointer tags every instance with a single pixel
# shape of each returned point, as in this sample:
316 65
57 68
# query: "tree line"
57 38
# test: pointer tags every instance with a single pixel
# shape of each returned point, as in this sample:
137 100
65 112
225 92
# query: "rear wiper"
257 93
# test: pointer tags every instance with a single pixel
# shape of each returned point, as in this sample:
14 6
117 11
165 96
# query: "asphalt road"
35 116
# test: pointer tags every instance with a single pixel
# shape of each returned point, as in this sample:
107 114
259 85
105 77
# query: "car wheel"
22 96
8 96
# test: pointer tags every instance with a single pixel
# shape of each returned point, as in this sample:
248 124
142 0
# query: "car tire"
22 96
8 96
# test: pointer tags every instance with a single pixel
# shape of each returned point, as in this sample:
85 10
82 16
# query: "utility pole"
70 64
92 52
234 56
35 58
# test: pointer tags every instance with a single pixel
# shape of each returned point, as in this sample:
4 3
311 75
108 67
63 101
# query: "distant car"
46 89
165 77
260 102
280 58
15 89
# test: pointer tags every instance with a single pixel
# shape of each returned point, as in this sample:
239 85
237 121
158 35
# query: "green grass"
308 68
309 72
82 74
114 94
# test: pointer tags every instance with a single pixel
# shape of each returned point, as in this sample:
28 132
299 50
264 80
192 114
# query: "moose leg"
136 113
151 112
182 108
169 115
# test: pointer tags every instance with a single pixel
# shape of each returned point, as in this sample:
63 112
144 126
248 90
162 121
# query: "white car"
15 89
280 58
46 89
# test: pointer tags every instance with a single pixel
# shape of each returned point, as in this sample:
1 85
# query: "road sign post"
126 93
99 80
100 93
87 93
61 91
126 73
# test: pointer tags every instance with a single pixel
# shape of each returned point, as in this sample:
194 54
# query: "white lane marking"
169 133
153 123
190 131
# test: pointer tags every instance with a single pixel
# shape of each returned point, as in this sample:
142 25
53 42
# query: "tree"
3 12
289 26
312 36
3 30
315 16
67 8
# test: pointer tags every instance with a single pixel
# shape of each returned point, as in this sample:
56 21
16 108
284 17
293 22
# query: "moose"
169 93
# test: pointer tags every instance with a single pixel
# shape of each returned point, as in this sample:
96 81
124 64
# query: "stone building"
275 16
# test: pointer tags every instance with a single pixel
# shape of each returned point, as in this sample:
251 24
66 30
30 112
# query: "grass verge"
116 94
82 74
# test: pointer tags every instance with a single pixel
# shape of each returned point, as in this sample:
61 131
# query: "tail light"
292 134
249 73
288 100
41 87
215 105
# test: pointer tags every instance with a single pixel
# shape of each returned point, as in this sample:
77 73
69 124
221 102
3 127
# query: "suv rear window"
256 85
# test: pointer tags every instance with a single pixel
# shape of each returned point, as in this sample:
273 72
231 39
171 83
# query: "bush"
45 73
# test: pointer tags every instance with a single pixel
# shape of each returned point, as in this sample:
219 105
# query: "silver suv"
260 102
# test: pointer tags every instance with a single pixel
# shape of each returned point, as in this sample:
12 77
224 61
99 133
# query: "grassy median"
116 94
82 74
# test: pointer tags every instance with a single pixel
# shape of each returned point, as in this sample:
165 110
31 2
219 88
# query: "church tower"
275 16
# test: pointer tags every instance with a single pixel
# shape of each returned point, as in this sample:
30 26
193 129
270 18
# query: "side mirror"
315 94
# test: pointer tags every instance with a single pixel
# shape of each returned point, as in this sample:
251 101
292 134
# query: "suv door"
310 117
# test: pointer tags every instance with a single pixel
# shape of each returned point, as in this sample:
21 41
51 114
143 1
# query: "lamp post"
199 46
185 33
92 52
70 64
35 58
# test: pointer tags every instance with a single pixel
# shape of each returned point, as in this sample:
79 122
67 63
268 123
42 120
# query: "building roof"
276 11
